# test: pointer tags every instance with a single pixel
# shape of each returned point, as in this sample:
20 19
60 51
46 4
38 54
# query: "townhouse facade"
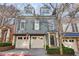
34 29
29 30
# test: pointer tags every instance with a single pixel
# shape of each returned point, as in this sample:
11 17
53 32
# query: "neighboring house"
7 30
71 35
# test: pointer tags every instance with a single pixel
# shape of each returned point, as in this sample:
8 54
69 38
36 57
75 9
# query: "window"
71 40
45 11
19 37
41 38
22 25
34 37
65 41
36 25
29 10
51 25
24 37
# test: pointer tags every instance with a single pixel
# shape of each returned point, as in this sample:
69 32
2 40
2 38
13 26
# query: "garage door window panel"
34 37
65 40
19 37
71 40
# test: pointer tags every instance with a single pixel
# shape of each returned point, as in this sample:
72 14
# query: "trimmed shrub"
5 44
47 47
69 51
55 51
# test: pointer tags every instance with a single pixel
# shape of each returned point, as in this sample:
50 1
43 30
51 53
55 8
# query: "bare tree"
59 10
7 11
72 15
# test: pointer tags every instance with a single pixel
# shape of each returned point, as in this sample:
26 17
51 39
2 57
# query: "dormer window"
45 10
29 10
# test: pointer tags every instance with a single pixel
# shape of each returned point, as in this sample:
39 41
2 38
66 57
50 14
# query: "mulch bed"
6 48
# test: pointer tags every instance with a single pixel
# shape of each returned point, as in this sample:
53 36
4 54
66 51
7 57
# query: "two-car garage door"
37 41
33 42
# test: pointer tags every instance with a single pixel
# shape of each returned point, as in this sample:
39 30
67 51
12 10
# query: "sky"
35 5
22 5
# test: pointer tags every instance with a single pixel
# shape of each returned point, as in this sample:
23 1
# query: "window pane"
22 25
19 37
36 25
71 40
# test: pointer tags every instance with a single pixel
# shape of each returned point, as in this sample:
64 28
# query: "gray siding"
29 26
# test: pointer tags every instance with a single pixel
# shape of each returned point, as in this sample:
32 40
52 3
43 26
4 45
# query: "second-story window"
36 25
22 25
51 25
45 11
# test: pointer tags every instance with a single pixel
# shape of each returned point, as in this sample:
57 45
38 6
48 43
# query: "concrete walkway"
33 52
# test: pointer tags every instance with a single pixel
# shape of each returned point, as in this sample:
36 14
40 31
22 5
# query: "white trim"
49 39
8 35
36 25
45 41
22 21
13 41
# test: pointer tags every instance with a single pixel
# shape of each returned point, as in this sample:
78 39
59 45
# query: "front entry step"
53 46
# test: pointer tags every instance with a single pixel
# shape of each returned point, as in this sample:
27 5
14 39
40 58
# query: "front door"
52 40
22 42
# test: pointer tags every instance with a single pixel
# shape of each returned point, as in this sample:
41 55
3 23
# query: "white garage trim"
22 42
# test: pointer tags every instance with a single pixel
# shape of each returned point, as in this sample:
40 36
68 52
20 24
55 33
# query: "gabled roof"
29 6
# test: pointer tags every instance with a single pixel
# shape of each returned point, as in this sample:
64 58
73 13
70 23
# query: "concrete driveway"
33 52
77 53
38 52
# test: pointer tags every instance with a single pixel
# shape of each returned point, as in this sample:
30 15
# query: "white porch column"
49 39
13 41
29 42
45 41
57 39
8 35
